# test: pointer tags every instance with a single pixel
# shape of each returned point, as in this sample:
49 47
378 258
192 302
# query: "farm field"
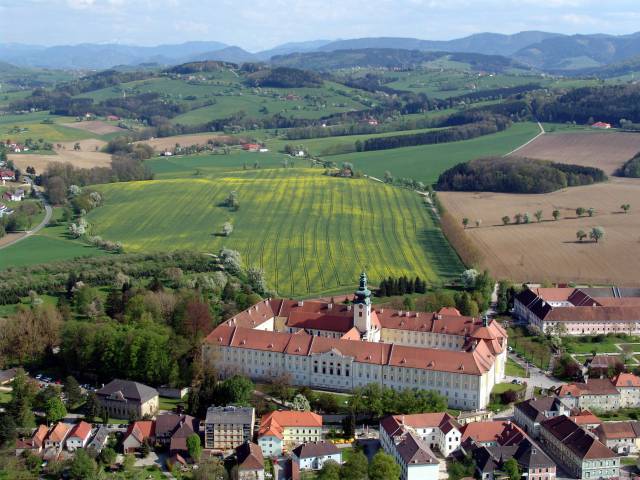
425 163
309 232
88 156
194 166
549 250
605 150
97 127
161 144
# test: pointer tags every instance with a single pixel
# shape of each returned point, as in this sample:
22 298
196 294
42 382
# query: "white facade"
74 442
270 445
316 463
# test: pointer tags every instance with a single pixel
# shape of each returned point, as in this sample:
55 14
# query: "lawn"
504 387
44 249
425 163
309 232
535 349
513 369
600 344
170 403
5 397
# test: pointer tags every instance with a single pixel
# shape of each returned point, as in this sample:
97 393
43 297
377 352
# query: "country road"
48 212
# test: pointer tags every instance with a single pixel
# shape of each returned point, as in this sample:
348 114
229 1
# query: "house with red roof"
601 125
78 436
138 433
34 443
440 431
343 346
621 437
282 430
250 462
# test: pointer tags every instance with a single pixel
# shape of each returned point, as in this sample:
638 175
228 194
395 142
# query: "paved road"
537 378
48 212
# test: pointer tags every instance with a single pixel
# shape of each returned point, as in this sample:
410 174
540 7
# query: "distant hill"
389 58
578 52
293 47
227 54
486 43
101 56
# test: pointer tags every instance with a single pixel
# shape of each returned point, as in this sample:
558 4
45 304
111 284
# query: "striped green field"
311 233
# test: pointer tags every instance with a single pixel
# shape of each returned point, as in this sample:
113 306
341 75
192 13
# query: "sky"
261 24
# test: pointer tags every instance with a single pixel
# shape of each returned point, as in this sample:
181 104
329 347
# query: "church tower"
362 308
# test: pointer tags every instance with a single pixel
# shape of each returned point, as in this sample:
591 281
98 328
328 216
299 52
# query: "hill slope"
309 232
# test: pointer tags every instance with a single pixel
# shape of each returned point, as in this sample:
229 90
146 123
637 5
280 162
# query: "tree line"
400 286
516 175
452 134
631 168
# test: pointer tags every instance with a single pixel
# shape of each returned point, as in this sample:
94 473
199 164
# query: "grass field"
310 233
426 163
513 369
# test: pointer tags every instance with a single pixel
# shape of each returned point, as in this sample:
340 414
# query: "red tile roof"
500 432
394 424
58 433
39 436
595 386
142 430
274 423
81 430
626 380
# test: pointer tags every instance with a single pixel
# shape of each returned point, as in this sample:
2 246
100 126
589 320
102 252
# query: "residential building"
55 440
585 419
594 394
341 347
282 430
169 424
138 433
621 437
577 451
250 462
14 196
629 387
228 427
601 125
35 443
440 431
533 462
313 455
416 460
530 413
580 311
78 436
8 175
7 376
127 399
491 434
100 439
178 443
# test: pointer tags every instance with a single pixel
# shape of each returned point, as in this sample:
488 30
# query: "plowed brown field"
549 250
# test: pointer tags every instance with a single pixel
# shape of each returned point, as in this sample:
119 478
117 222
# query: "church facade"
340 347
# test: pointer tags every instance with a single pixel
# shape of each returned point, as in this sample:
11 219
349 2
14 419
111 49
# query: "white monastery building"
341 347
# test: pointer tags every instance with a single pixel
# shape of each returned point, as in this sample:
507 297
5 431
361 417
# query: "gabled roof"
535 408
58 433
274 423
396 424
249 456
179 437
626 380
167 424
131 391
500 432
315 449
141 430
414 451
39 436
595 386
81 430
584 445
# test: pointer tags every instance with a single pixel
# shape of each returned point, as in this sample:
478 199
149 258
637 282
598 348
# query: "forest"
516 175
631 168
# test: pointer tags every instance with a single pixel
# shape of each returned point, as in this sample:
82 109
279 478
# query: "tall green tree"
383 467
83 466
330 471
355 468
512 469
23 394
72 391
55 410
193 447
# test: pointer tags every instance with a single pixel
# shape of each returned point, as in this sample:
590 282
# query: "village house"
127 399
78 436
7 376
281 431
313 455
173 430
578 452
580 311
601 125
55 440
533 462
250 462
8 175
342 347
628 385
138 433
596 393
440 431
621 437
100 439
33 444
412 453
530 413
491 434
14 196
228 427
